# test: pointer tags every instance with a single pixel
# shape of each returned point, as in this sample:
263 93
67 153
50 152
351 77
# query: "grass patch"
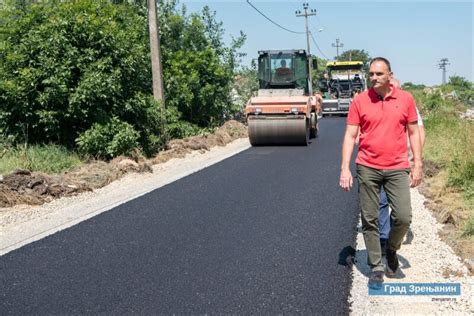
51 159
469 228
450 144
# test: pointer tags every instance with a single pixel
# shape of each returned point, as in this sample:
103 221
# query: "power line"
317 46
266 17
284 28
325 29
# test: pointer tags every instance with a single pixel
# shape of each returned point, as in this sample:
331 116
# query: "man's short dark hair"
382 59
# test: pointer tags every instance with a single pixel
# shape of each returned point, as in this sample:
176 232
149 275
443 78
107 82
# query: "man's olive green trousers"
397 186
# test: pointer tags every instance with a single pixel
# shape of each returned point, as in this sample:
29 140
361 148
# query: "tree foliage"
460 82
198 66
69 67
318 73
463 87
412 86
245 85
355 55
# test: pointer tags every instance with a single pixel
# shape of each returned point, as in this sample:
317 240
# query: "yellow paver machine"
342 81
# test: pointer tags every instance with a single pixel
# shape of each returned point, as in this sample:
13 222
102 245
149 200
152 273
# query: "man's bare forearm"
415 143
347 149
422 136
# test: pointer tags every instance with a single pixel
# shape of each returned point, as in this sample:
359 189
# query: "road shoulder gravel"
426 259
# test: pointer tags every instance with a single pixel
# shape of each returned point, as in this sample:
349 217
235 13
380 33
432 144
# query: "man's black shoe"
392 263
376 279
383 246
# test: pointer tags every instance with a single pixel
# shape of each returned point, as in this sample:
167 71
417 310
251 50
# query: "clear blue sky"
413 35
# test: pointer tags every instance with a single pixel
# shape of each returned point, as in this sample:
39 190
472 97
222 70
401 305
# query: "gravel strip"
427 259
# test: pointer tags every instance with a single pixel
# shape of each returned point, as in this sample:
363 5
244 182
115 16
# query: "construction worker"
383 115
283 72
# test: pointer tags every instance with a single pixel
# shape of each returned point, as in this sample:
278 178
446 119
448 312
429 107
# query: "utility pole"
337 45
442 65
156 69
310 61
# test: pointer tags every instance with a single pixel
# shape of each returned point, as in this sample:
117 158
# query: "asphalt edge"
16 236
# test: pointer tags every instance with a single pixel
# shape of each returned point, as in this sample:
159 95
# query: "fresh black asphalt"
260 232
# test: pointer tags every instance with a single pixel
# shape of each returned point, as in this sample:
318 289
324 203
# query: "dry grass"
450 146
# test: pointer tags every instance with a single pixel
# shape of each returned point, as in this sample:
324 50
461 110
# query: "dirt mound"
178 148
35 188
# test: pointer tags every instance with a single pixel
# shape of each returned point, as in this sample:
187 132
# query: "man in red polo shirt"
383 114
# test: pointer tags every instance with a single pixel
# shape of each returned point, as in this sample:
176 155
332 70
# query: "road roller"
284 112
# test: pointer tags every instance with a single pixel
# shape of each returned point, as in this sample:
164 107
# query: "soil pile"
178 148
35 188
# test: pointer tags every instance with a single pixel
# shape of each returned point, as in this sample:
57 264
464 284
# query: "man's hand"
345 181
416 176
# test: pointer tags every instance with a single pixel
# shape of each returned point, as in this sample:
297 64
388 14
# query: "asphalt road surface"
260 232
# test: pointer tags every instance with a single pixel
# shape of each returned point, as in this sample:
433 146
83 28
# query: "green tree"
459 82
245 85
66 67
463 87
355 55
198 67
318 73
412 86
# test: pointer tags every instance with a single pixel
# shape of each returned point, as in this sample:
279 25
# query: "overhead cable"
266 17
317 46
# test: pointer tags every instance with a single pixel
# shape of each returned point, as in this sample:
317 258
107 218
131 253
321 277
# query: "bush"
109 140
67 66
433 101
144 113
177 128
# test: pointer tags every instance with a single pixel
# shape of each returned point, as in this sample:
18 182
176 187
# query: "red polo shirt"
382 126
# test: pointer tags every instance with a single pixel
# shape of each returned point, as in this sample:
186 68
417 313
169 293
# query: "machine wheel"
278 131
308 132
